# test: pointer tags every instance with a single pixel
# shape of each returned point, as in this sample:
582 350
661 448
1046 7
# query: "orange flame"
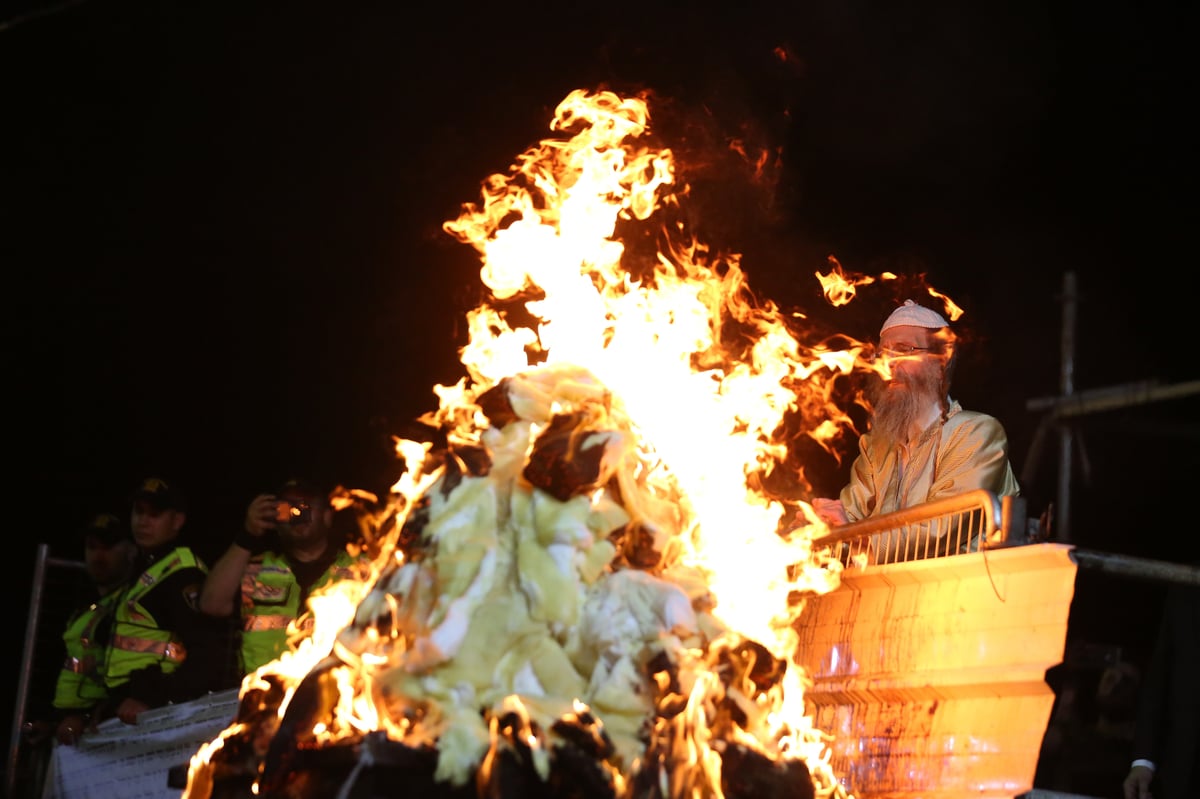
677 382
839 287
952 310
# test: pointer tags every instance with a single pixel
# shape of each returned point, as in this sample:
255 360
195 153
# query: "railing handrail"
976 499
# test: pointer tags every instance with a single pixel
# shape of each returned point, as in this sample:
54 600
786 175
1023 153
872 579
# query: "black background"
225 260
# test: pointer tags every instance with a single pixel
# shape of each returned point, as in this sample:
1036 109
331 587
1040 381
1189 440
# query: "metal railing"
967 522
40 633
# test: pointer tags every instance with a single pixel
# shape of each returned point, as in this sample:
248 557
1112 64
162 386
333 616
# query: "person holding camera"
285 551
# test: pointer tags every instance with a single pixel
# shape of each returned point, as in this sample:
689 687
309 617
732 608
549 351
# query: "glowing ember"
582 580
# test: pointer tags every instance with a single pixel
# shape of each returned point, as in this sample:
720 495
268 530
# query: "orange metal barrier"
928 670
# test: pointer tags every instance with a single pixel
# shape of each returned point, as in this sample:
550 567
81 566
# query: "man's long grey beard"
901 403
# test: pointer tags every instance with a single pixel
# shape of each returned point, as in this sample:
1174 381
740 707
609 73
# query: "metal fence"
59 586
967 522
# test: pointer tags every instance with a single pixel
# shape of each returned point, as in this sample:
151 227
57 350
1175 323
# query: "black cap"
303 489
105 529
160 494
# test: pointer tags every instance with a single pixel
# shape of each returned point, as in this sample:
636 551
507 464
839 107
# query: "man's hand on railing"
956 524
830 511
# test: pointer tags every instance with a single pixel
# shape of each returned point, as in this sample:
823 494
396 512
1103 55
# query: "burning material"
582 592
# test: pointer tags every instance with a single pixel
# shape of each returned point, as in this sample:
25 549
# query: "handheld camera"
288 513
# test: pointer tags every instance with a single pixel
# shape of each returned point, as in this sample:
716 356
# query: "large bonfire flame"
582 590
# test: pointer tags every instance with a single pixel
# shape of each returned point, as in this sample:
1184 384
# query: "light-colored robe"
965 451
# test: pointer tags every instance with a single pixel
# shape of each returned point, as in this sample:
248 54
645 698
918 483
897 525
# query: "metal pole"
1141 568
31 626
1066 436
1128 395
42 563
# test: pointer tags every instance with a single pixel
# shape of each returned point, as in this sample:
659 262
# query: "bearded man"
921 446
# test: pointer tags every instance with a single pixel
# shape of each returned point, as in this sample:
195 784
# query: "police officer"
163 649
287 550
108 554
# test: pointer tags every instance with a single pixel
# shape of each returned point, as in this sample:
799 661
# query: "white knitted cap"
912 314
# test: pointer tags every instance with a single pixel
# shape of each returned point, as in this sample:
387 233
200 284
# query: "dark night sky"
223 226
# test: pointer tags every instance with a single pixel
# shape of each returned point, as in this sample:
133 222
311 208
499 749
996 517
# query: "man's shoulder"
974 421
169 560
184 558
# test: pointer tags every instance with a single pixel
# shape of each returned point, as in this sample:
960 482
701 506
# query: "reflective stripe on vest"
171 650
257 623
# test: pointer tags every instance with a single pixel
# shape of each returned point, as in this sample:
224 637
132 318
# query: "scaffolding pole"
1129 395
1138 568
1066 434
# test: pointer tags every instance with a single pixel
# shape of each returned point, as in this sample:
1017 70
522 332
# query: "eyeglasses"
901 349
